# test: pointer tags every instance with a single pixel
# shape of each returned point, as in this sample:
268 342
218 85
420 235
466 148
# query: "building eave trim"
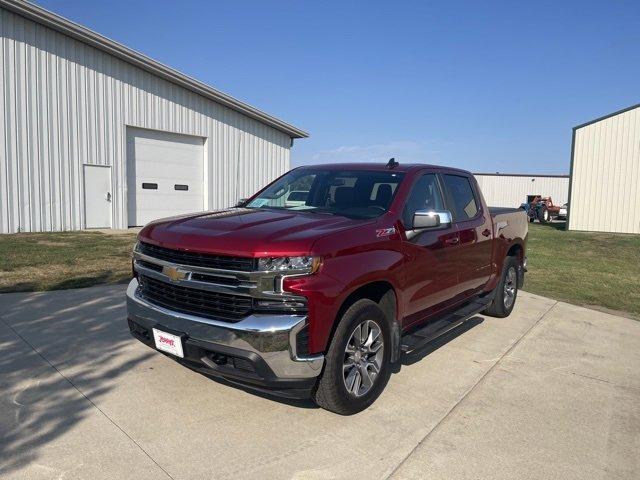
604 117
74 30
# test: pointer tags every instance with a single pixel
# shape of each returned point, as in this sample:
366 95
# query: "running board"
417 339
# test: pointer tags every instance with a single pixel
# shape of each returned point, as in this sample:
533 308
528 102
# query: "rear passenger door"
474 232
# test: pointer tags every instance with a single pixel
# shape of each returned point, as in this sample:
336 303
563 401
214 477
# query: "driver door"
430 272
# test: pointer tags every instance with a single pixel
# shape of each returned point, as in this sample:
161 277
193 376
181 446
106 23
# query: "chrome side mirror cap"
431 219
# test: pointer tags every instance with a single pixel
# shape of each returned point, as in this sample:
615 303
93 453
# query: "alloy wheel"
510 287
363 358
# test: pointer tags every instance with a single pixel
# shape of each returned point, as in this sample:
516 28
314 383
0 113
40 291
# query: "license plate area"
168 342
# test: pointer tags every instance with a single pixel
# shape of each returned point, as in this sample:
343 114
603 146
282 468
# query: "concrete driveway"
551 392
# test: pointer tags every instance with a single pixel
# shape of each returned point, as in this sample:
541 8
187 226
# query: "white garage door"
165 175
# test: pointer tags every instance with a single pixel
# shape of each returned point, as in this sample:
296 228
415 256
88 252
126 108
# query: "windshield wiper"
319 210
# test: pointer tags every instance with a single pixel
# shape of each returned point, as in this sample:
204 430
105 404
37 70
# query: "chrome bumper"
271 337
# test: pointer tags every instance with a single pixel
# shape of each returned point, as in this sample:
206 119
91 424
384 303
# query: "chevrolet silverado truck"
321 297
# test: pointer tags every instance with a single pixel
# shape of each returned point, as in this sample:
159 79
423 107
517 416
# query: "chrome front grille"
168 280
193 301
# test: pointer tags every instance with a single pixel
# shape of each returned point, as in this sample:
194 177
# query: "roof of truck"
401 167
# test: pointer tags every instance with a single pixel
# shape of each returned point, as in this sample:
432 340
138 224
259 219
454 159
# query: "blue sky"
487 86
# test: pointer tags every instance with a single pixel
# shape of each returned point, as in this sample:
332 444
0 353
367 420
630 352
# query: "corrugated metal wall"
512 190
64 104
605 188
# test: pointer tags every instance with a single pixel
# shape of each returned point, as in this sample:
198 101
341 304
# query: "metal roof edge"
604 117
521 175
85 35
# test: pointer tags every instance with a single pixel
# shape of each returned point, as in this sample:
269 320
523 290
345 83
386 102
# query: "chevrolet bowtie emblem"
174 273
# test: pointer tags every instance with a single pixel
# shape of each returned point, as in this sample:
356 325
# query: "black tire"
331 392
531 219
543 215
500 307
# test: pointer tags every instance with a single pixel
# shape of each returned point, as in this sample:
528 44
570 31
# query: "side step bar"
416 339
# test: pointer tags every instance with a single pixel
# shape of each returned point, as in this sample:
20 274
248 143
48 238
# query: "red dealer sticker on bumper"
168 343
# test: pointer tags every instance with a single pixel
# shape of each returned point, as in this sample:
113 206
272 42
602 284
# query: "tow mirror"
431 219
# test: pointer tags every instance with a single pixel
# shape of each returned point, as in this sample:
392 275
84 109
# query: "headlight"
279 264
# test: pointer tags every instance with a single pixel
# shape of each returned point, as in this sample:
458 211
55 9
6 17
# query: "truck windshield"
350 193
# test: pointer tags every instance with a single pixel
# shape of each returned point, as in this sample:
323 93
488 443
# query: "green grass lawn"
591 269
54 261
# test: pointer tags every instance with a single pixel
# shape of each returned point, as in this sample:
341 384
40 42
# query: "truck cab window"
425 195
465 204
350 193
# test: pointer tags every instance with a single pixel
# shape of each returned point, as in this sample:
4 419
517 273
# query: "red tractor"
540 208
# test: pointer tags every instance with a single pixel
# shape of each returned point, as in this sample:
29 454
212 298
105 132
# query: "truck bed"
500 210
510 225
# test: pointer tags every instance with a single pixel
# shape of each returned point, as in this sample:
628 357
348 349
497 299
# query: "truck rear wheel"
506 291
356 366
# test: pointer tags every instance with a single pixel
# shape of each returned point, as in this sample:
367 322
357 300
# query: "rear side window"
464 202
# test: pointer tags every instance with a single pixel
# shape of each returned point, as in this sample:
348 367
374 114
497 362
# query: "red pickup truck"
319 293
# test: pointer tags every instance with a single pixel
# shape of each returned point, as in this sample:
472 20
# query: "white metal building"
605 174
510 190
95 135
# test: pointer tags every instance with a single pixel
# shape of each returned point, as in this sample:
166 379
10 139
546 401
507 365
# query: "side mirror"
430 219
241 202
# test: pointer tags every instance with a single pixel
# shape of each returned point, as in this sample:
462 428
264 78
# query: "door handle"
486 232
108 196
452 241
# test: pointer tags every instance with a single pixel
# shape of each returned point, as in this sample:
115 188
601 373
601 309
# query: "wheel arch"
517 250
384 294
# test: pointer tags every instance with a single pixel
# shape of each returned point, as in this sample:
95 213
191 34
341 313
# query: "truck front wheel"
356 366
506 292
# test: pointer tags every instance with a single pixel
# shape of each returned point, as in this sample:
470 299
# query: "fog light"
282 305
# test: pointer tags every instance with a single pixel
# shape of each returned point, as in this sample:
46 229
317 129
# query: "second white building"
510 190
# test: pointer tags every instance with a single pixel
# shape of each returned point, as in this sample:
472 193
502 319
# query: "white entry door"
97 196
165 175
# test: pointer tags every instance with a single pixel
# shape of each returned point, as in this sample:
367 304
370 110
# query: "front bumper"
259 350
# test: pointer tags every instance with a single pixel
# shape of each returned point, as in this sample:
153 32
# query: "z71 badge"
385 232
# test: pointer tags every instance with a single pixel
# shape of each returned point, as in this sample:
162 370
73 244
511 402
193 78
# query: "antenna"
392 163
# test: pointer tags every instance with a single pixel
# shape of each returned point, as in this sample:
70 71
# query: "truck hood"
246 232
